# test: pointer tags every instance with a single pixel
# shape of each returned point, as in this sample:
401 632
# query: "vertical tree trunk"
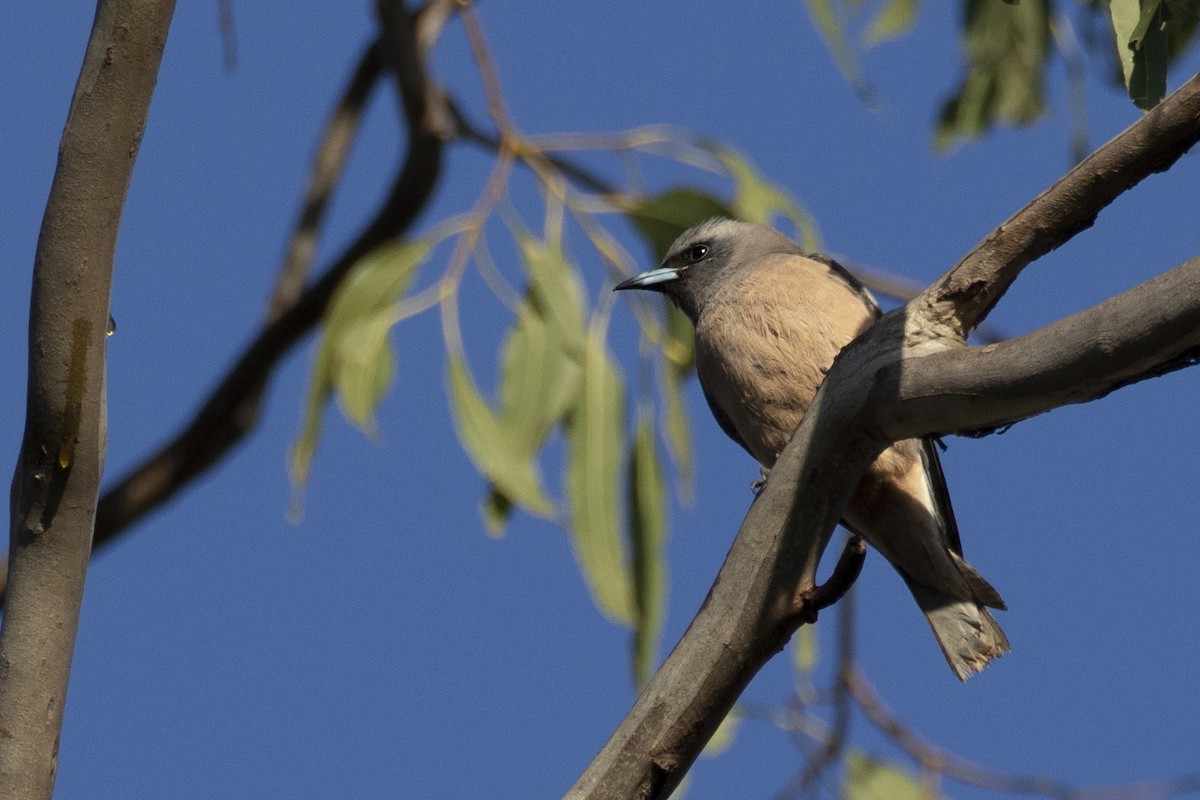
57 476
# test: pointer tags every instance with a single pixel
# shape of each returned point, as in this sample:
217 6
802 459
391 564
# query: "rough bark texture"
57 477
909 375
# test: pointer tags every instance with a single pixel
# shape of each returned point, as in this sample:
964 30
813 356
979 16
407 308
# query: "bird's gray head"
703 256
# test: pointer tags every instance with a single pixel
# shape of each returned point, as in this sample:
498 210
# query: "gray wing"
941 495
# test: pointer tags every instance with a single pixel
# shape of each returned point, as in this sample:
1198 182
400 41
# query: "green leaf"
495 510
555 290
662 218
756 199
1143 47
648 532
866 778
366 366
539 380
893 20
804 649
493 448
1007 48
677 429
596 444
353 358
680 345
827 20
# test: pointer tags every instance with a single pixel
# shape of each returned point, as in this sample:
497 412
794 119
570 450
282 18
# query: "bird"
770 318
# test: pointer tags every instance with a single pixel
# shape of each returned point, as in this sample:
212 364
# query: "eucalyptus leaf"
1143 47
594 467
492 447
895 19
648 535
1007 48
866 778
555 290
353 359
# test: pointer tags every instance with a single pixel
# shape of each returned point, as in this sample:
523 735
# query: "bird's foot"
758 484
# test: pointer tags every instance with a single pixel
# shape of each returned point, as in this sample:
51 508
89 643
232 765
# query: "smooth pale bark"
57 477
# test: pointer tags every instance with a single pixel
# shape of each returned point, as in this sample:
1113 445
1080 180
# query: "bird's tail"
967 633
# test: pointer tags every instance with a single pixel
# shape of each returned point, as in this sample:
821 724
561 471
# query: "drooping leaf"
680 345
540 361
827 19
497 453
866 778
366 366
662 218
353 359
893 20
648 533
539 380
596 443
1007 49
555 290
1143 48
756 199
677 430
495 511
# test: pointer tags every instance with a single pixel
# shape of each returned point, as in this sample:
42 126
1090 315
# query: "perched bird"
769 321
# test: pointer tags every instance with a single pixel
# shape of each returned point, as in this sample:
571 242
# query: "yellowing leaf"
555 290
895 19
804 649
596 442
495 451
353 358
539 380
677 429
648 532
827 21
866 778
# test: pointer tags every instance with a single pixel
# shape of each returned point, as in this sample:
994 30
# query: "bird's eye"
697 252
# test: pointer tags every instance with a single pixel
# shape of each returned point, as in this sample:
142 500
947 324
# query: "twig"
867 401
835 739
231 410
964 295
943 762
330 160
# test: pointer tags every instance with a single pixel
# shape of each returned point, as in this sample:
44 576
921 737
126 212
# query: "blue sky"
385 646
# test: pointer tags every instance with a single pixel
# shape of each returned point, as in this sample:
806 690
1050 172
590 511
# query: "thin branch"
57 478
231 410
332 153
964 295
869 400
834 740
944 762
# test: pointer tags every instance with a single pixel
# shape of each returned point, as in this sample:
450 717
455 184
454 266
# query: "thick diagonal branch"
908 375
